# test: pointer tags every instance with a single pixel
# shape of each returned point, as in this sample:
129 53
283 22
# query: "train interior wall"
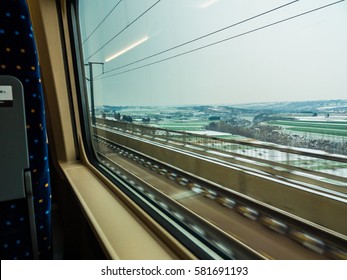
72 236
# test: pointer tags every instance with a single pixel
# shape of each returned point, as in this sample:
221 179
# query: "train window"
225 119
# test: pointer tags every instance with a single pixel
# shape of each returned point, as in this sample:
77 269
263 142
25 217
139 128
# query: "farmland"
332 128
183 125
319 125
325 131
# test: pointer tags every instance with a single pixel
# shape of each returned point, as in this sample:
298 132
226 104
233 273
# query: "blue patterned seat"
18 58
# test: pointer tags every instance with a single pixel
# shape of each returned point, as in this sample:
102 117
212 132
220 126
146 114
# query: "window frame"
165 224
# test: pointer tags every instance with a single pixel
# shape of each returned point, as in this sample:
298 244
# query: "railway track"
231 210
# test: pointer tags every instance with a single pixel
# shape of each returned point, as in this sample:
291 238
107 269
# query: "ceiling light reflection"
144 39
208 3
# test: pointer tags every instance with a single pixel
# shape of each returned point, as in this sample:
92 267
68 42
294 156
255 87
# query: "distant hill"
324 106
320 106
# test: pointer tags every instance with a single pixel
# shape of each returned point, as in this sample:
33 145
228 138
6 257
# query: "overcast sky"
300 59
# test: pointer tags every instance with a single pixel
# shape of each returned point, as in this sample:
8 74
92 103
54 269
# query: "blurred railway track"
252 223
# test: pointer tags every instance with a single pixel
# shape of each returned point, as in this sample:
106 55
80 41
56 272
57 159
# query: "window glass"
221 109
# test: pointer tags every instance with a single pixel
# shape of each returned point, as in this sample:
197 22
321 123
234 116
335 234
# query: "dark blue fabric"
18 57
15 239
